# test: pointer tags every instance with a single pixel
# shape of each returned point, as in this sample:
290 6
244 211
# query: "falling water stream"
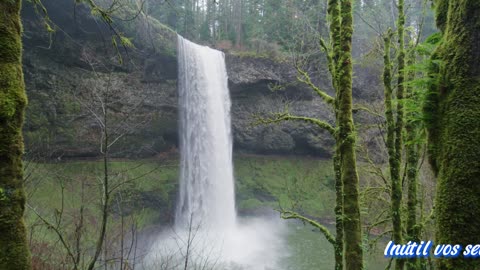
207 233
206 178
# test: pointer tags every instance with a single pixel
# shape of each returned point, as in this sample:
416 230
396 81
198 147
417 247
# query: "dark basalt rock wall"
64 72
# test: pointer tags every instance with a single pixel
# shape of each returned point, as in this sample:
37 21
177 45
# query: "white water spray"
206 234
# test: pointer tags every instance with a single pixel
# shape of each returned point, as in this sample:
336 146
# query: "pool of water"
267 243
308 249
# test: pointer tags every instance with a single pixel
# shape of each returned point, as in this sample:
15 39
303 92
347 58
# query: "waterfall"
207 234
206 196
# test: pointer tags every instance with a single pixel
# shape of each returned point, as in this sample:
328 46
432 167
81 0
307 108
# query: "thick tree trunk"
14 251
454 129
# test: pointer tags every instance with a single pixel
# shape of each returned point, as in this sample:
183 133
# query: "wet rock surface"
62 75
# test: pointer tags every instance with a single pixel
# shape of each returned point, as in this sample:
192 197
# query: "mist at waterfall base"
207 230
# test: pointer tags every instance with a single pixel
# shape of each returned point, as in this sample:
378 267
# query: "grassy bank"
64 199
148 187
68 194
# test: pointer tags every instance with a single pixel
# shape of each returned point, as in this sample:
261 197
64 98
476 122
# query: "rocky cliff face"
64 76
253 84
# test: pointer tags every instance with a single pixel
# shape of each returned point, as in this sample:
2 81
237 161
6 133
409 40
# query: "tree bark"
412 148
347 136
338 211
453 122
396 159
333 11
14 251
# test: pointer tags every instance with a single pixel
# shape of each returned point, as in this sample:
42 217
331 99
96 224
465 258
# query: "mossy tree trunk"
395 125
393 162
412 148
454 130
338 247
14 251
396 160
347 210
333 11
346 143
